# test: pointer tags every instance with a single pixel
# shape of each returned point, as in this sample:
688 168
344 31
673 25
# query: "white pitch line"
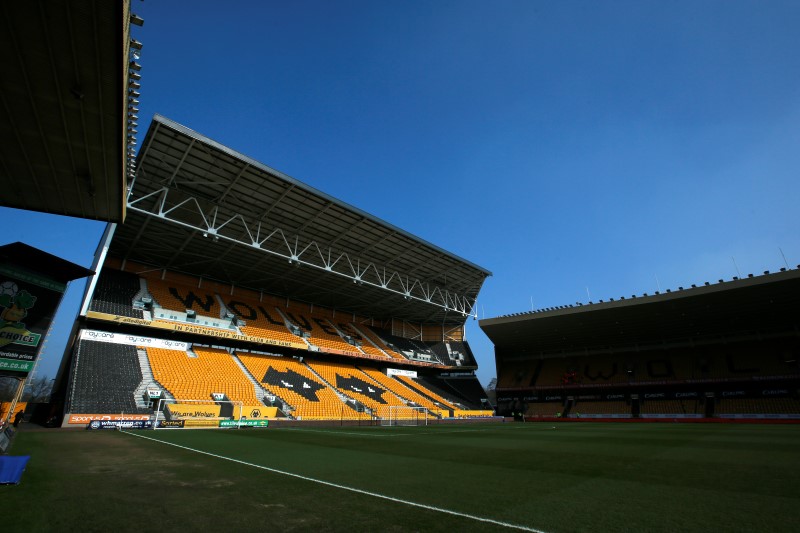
345 487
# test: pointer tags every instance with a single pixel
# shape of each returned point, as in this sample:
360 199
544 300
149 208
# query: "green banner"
32 278
243 422
28 302
16 366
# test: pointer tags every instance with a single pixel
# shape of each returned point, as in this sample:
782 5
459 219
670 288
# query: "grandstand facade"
232 285
723 350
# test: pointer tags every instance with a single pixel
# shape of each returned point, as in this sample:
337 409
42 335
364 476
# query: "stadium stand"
105 376
543 410
197 374
320 332
600 408
177 297
371 339
466 393
355 384
760 406
261 319
115 292
293 382
400 390
428 393
408 347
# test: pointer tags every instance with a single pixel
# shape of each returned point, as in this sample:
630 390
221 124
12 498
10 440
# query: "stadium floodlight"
136 44
133 92
135 75
133 101
135 85
133 65
136 54
137 20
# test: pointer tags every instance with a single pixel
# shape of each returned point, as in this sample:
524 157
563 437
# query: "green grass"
578 477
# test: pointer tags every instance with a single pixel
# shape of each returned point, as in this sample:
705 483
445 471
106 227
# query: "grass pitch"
577 477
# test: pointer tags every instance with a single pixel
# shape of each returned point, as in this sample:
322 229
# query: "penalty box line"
343 487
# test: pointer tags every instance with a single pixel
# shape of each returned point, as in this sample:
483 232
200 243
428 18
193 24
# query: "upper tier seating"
114 294
402 343
322 332
175 296
370 339
742 361
261 319
105 376
196 378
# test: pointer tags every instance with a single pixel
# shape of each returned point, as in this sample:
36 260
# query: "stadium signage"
86 418
194 411
243 423
184 328
733 393
120 424
399 372
131 340
28 302
171 423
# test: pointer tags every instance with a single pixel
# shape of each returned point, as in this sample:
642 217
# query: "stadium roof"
200 208
33 259
64 106
743 309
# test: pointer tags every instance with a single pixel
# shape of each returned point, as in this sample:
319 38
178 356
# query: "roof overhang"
200 208
64 99
751 308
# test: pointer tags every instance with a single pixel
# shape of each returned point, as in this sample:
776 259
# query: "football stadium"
252 352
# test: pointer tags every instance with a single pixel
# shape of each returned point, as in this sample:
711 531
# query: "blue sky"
563 145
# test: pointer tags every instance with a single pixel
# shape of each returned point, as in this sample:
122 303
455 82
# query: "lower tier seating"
105 376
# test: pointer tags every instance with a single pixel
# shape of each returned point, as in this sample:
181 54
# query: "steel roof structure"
752 308
201 208
68 95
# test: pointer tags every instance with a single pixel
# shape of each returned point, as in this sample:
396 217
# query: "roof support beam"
297 250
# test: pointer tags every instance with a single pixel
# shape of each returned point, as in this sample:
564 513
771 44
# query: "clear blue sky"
563 145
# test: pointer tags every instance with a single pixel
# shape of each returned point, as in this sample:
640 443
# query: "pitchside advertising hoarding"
28 302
